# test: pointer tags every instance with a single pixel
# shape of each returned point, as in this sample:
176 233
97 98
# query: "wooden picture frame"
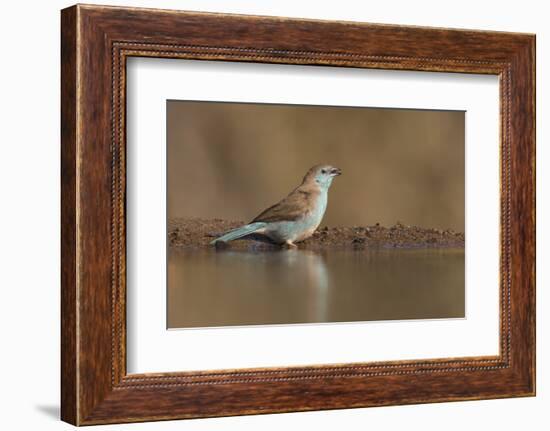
95 43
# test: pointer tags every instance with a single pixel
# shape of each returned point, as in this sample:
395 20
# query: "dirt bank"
197 233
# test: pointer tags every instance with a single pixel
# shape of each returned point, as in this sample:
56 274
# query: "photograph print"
301 214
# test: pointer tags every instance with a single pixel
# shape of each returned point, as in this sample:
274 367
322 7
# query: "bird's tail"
239 232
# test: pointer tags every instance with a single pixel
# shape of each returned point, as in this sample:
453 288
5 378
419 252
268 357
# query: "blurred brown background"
232 160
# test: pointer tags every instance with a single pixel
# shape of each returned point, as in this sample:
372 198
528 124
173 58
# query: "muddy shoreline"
198 233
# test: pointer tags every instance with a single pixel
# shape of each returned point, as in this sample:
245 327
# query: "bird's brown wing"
291 208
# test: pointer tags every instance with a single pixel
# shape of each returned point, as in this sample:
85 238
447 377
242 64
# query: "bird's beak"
335 172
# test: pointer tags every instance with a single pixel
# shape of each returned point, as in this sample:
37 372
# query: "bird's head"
322 175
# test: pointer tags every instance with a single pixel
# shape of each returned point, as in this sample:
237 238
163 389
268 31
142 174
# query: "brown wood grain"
69 368
96 41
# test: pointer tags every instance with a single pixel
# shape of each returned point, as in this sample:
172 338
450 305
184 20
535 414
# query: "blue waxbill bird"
296 217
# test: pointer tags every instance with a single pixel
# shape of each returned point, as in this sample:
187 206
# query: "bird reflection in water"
246 287
259 286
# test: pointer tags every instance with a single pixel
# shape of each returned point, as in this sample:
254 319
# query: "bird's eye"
323 171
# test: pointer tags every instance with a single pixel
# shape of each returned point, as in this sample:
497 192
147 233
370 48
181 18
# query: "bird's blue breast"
302 228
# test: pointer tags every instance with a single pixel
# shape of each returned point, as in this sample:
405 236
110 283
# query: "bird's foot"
289 244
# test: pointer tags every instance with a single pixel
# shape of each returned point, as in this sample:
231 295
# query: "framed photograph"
264 215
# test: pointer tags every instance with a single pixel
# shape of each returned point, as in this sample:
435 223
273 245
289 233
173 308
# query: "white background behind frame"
153 348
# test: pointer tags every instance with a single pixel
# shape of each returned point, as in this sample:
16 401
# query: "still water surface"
230 287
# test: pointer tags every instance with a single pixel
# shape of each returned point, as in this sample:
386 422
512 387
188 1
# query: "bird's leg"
289 244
